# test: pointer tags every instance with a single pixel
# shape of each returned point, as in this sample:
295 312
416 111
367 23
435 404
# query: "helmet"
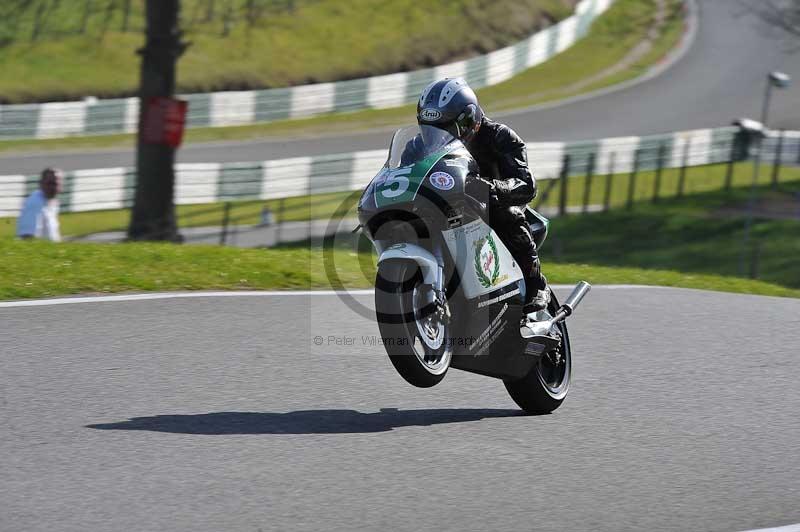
451 105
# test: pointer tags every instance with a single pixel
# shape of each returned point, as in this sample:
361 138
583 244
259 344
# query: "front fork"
436 295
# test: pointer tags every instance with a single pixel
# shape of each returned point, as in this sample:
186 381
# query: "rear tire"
545 387
423 363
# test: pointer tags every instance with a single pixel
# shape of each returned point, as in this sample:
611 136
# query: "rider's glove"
514 191
481 189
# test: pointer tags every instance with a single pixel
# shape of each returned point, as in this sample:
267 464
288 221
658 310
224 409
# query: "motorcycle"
448 293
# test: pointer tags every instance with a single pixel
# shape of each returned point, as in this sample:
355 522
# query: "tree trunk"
153 216
126 15
87 11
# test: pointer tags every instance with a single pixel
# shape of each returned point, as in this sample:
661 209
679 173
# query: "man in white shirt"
39 216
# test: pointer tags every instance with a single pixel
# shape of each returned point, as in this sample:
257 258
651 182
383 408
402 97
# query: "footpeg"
540 344
543 329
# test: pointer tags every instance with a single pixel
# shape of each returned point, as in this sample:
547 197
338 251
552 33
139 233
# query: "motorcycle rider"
505 183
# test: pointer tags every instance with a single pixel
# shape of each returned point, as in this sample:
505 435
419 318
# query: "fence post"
776 166
662 149
798 151
587 192
755 259
278 229
684 164
609 181
731 160
562 200
632 180
226 217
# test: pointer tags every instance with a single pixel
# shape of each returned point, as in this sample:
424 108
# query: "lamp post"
774 79
756 132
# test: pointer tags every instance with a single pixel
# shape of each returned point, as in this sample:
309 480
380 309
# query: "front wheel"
545 387
415 333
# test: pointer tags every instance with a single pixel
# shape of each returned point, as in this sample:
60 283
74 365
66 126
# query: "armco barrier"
112 188
100 117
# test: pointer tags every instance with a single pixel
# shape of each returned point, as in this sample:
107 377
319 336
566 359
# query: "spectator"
39 216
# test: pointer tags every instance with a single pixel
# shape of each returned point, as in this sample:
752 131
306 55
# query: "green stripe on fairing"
419 171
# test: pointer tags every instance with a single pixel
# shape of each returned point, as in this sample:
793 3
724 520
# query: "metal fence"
110 116
200 183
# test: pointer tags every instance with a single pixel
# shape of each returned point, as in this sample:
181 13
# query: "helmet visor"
414 143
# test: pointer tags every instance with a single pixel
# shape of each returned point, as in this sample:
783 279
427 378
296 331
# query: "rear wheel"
545 387
415 332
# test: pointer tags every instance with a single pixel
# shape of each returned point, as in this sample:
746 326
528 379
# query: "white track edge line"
250 293
787 528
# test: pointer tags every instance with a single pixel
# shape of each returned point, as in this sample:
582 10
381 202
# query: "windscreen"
414 143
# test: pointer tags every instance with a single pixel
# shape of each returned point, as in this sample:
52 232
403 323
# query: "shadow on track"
302 421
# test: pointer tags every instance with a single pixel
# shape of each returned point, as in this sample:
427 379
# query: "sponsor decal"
487 262
533 349
430 115
492 332
458 163
499 298
395 182
442 180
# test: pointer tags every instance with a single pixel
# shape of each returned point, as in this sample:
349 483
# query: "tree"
153 216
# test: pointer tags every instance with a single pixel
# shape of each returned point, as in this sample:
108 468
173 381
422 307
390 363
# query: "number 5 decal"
396 177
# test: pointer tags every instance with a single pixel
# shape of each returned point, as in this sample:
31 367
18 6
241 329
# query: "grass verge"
69 48
694 242
42 269
700 235
611 37
697 180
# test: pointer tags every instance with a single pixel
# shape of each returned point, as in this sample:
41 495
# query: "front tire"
416 337
545 387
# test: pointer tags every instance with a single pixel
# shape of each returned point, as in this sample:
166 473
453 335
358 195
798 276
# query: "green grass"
211 214
41 269
697 180
609 40
611 37
697 235
693 242
291 43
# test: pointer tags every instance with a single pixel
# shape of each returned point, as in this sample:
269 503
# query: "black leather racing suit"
506 185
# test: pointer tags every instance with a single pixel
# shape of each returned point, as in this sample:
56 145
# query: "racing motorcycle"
448 293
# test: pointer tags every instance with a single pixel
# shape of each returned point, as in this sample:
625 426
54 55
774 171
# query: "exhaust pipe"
575 298
543 328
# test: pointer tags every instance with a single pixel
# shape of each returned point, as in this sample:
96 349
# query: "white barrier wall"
112 188
98 117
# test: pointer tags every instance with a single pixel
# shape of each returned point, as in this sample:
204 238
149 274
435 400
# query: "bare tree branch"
781 14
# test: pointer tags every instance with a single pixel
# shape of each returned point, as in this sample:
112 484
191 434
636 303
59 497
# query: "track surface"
221 414
721 78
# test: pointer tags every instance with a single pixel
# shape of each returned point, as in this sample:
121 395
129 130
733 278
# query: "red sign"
164 121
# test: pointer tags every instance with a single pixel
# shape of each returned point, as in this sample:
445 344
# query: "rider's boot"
537 293
539 302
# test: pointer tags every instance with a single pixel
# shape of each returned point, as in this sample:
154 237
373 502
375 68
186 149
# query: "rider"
505 183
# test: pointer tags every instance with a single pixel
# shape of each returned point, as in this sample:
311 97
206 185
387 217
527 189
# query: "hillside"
66 49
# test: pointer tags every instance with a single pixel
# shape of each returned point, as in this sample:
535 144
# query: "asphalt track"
720 78
221 413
